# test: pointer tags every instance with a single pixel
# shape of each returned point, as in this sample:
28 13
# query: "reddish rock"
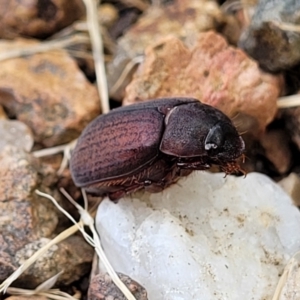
48 92
37 18
213 72
184 19
102 288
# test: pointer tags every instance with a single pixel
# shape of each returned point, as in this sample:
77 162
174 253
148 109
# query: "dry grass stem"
231 6
289 272
108 42
128 68
66 157
66 149
45 46
73 29
80 26
288 101
287 26
95 266
97 46
80 54
53 150
248 6
44 289
48 284
88 220
85 199
54 294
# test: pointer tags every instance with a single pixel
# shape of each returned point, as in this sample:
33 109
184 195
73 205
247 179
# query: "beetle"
151 145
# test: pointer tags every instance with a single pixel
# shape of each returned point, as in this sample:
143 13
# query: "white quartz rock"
207 238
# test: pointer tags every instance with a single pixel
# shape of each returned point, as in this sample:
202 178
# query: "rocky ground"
241 57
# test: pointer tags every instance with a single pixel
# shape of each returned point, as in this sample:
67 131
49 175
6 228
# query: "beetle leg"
171 176
232 167
115 196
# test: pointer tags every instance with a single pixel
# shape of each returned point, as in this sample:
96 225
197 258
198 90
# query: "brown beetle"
151 144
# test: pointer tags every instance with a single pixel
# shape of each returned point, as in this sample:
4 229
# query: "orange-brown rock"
48 92
37 18
184 19
211 71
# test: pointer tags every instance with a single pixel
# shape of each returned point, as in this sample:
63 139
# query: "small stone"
108 14
15 133
183 19
213 72
47 92
28 222
23 215
72 256
275 48
208 237
276 144
103 288
291 185
38 19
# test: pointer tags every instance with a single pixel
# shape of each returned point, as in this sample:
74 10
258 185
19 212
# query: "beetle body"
151 144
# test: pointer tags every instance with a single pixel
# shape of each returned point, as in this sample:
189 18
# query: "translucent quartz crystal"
207 237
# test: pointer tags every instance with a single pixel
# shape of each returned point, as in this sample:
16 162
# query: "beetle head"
223 142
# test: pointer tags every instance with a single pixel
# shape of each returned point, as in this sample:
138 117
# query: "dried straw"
288 101
44 46
97 47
